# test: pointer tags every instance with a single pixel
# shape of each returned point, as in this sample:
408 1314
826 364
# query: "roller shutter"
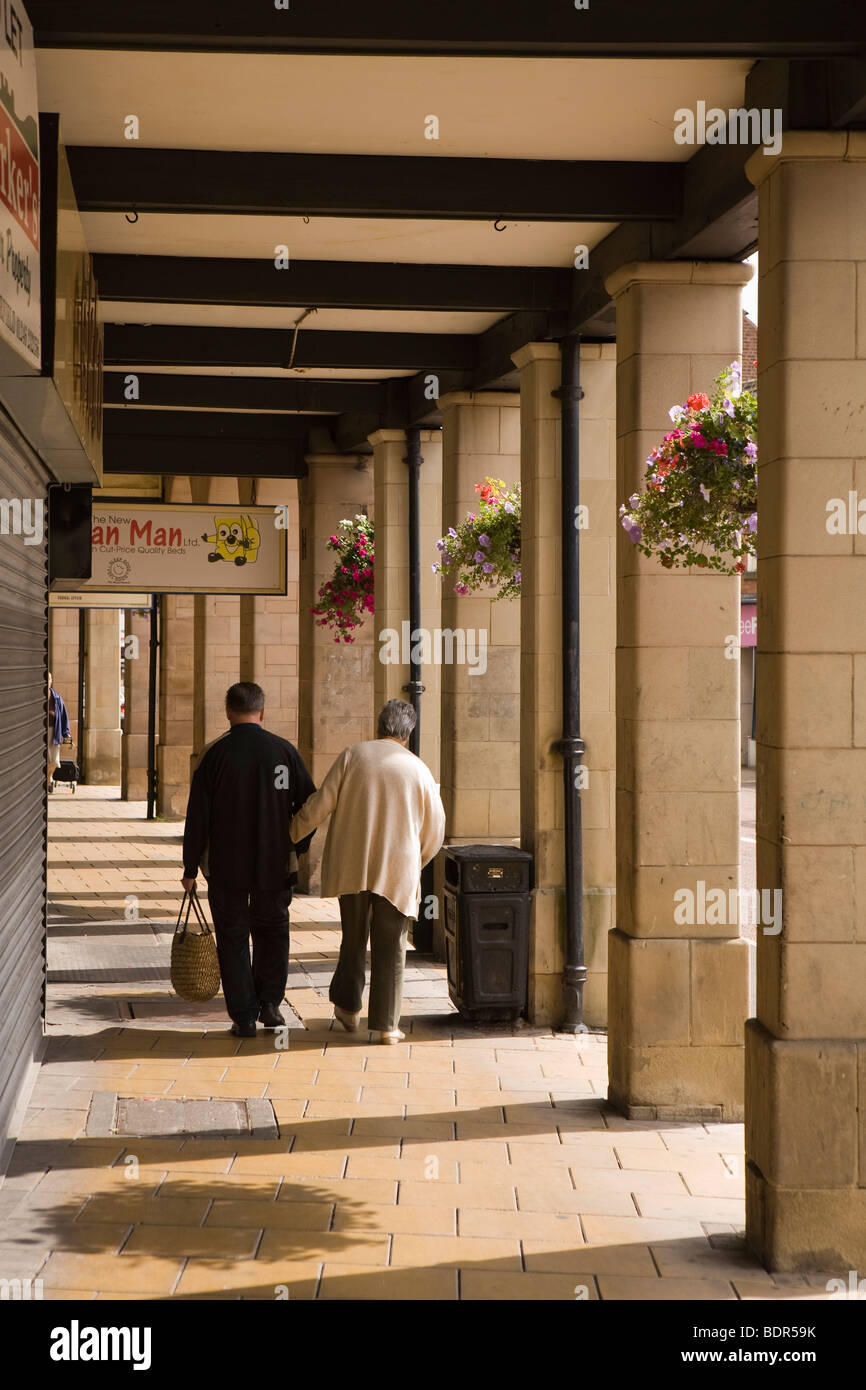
23 728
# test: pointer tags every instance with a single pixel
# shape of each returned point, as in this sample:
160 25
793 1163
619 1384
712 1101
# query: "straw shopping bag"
195 971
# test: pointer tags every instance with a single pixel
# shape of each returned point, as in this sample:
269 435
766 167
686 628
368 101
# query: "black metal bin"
487 929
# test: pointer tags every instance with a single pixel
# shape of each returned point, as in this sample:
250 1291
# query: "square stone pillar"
217 634
269 625
678 993
101 736
542 821
542 814
391 492
176 703
480 754
806 1050
598 542
133 743
63 661
335 682
177 685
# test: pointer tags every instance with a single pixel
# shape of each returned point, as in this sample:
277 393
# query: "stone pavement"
468 1162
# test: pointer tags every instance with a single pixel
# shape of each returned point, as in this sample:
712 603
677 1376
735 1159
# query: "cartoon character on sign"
237 538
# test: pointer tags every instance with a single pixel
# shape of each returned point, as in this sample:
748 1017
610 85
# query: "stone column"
133 743
269 625
217 634
176 703
480 752
63 661
101 739
542 817
598 665
176 688
806 1050
678 992
335 681
541 799
391 486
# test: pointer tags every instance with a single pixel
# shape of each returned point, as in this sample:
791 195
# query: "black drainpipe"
82 693
422 929
571 745
415 689
151 705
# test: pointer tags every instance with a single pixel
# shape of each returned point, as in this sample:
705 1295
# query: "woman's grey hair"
397 719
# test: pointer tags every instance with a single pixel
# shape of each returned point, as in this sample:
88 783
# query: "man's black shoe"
244 1030
270 1016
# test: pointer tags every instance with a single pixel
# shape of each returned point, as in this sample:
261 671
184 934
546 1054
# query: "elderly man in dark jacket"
244 793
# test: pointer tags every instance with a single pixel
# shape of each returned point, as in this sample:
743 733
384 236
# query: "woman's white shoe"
392 1036
349 1021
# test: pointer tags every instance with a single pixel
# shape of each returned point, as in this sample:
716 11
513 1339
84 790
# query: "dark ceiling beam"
181 457
329 284
244 393
617 28
143 345
812 95
352 431
226 445
719 221
207 424
719 216
493 363
113 179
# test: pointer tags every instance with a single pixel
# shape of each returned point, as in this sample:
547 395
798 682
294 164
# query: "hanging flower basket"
700 506
346 598
484 549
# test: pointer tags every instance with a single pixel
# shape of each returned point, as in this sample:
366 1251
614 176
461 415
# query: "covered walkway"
473 1163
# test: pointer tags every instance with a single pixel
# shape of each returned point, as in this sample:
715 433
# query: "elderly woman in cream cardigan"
387 822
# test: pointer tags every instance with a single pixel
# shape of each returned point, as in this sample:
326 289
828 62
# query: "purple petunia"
508 506
485 541
752 522
487 568
751 450
479 557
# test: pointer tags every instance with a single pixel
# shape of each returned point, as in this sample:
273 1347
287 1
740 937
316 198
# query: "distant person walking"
387 822
244 793
58 730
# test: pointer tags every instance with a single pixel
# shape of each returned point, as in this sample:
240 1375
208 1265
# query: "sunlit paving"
432 680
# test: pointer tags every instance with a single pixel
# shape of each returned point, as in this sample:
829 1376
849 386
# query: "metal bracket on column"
568 393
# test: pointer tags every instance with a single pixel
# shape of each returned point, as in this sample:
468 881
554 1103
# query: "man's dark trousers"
264 916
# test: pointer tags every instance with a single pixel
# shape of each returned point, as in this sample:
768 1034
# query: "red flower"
699 401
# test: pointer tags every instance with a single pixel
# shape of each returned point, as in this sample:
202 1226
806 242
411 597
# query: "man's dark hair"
245 698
